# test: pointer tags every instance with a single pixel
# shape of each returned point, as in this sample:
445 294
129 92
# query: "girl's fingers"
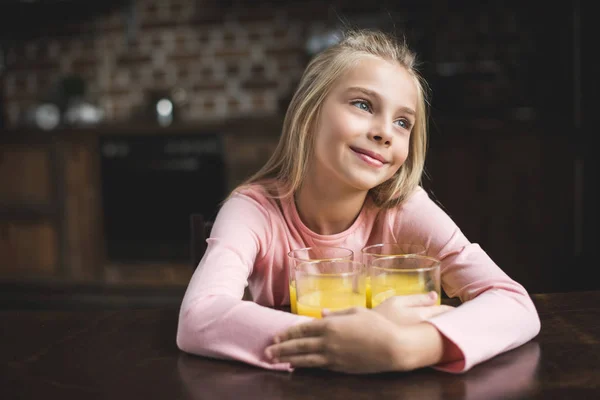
307 329
346 311
294 347
306 361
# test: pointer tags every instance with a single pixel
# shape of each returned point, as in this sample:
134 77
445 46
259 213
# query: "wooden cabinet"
52 219
51 227
29 242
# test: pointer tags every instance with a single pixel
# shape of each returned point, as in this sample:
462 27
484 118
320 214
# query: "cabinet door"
81 202
24 175
28 249
28 239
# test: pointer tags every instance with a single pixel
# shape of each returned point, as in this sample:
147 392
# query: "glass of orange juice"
404 274
315 253
330 284
387 249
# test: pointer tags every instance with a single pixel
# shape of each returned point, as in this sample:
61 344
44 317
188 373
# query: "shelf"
263 125
27 211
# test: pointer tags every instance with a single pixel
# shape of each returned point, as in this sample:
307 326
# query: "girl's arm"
497 313
213 319
358 340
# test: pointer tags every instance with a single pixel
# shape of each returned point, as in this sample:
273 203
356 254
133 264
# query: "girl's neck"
328 210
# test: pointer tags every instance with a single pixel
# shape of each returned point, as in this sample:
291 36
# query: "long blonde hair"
288 165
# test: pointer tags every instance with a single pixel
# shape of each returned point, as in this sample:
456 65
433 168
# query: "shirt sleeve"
214 321
496 314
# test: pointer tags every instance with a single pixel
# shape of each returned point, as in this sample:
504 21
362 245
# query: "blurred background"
120 118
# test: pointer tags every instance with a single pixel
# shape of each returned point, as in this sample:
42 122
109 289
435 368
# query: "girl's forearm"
422 345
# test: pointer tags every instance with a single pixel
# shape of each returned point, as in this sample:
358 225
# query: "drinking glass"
331 284
315 253
401 275
387 249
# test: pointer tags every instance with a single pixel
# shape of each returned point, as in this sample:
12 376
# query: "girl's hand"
357 341
409 310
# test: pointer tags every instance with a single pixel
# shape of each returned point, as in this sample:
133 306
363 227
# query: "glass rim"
303 259
436 263
355 271
372 246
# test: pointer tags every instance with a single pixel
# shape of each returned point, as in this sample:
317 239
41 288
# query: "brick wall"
232 58
223 58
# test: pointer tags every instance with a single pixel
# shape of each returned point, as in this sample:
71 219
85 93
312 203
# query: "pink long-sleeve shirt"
248 245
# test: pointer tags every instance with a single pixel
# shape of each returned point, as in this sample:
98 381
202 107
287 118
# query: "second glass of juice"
333 285
402 275
373 251
315 253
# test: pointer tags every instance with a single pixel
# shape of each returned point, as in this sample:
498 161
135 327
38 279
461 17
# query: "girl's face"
364 128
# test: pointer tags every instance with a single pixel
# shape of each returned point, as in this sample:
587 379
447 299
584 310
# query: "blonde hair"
288 164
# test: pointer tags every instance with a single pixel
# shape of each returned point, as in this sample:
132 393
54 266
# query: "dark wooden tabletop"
131 354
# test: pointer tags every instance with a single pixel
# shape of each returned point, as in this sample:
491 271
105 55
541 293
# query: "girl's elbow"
532 314
537 323
182 338
185 336
192 329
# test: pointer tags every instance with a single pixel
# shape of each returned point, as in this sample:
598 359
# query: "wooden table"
131 354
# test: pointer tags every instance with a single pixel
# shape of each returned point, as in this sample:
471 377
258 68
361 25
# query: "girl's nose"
381 133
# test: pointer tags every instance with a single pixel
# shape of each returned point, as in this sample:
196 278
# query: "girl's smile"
370 157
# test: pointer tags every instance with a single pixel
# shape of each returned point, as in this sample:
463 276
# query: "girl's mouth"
368 157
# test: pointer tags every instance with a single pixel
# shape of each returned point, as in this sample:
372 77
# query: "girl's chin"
367 185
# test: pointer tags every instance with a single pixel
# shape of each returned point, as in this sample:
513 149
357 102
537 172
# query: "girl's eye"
403 123
363 105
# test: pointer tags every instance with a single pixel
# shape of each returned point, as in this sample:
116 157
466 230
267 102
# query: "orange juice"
384 287
312 254
331 284
312 304
293 298
369 305
317 284
381 297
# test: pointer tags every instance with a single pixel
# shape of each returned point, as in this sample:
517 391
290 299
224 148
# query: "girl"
347 173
